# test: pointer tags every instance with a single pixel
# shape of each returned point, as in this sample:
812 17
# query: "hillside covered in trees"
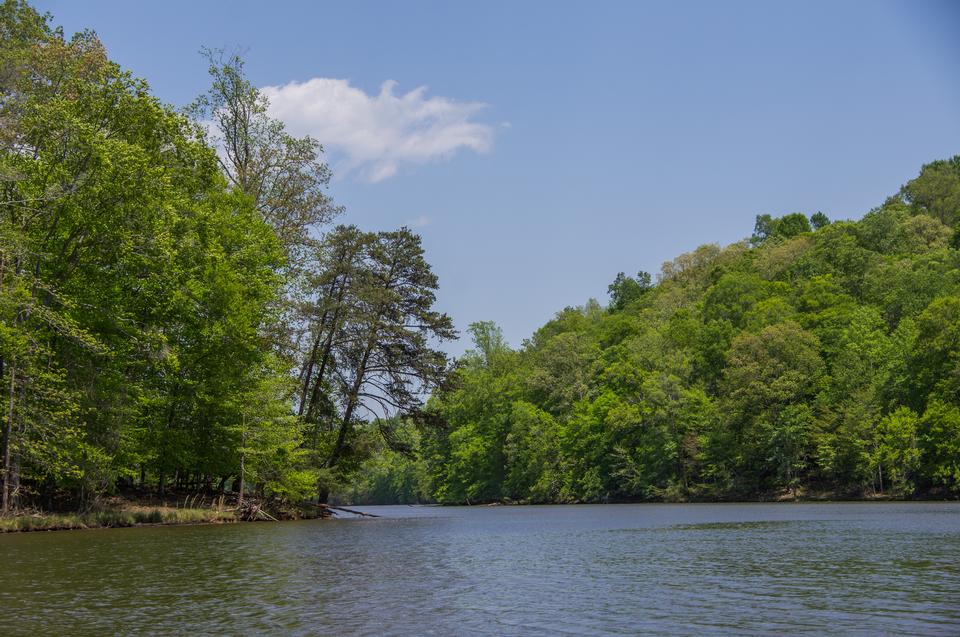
813 357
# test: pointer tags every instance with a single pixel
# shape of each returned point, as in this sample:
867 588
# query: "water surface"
791 569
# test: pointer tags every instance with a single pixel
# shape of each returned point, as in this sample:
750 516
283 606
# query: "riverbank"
124 517
800 496
119 512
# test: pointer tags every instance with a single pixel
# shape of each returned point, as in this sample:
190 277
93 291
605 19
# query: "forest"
180 313
177 310
812 359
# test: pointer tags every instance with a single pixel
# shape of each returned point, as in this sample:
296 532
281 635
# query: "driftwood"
267 515
250 511
330 508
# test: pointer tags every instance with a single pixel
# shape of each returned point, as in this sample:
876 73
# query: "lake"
686 569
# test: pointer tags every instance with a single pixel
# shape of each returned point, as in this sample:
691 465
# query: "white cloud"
375 134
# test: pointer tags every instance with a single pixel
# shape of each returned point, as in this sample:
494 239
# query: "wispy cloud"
374 135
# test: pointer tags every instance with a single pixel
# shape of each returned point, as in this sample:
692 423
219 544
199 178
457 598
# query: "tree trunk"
243 458
308 371
357 384
8 439
15 481
323 493
311 363
351 404
318 384
324 359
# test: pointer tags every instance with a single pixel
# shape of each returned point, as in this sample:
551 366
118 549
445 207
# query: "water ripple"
604 570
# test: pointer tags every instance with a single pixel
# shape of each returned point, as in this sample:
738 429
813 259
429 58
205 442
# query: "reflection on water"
858 569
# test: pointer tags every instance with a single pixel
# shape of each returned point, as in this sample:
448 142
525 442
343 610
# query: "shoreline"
143 516
132 514
119 518
811 498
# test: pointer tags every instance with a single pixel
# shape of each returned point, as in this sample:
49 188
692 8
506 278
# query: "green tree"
283 175
135 283
897 453
936 191
469 463
769 378
531 455
382 344
626 289
934 364
786 226
940 444
819 220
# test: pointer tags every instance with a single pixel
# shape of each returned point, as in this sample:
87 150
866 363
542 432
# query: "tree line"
810 358
177 310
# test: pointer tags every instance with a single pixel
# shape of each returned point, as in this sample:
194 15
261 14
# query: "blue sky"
558 143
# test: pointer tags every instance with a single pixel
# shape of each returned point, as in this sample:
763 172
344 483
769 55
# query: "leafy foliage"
825 357
158 273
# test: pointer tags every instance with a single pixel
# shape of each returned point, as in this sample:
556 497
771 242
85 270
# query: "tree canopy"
815 357
163 274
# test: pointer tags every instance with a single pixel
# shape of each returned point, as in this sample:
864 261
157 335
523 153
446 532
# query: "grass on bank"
114 518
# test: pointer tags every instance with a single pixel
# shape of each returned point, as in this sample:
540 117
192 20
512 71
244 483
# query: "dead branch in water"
250 511
331 508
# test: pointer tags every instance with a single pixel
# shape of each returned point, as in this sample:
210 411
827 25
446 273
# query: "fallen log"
331 507
251 511
266 515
